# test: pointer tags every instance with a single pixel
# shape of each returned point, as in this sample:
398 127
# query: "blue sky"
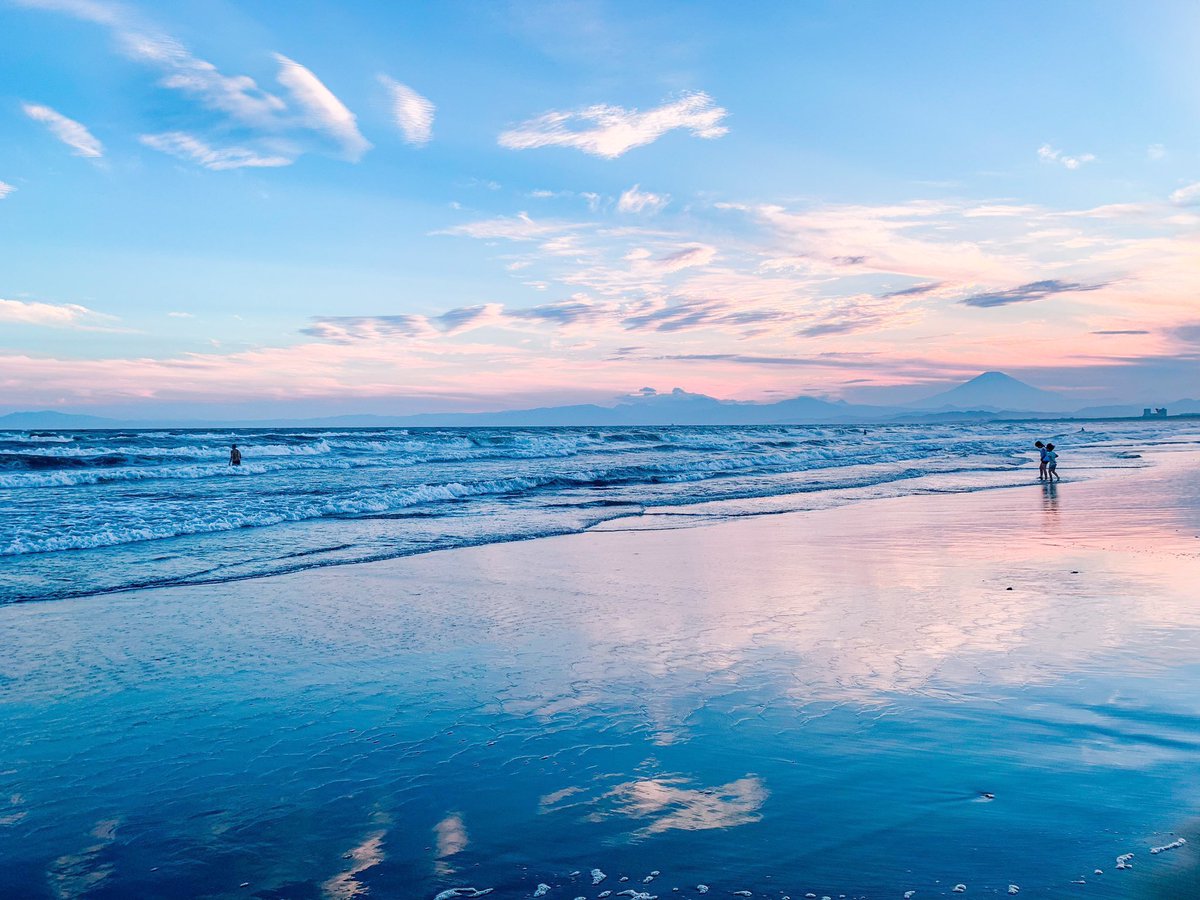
256 208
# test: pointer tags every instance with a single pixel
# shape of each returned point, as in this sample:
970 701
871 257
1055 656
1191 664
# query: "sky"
309 208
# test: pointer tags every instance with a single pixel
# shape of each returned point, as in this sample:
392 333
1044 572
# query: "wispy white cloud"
323 110
72 133
347 329
89 10
610 131
635 200
1189 195
1156 152
510 228
593 200
51 315
314 107
190 147
998 210
5 189
412 113
688 257
238 96
1049 154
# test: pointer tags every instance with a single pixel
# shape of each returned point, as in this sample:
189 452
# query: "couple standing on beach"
1048 471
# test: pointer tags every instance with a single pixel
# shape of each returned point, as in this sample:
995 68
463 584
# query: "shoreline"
801 501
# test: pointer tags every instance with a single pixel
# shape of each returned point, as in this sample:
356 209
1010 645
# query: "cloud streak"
1027 293
511 228
412 113
322 110
610 131
238 96
1188 195
635 200
189 147
246 105
72 133
50 315
351 329
1049 154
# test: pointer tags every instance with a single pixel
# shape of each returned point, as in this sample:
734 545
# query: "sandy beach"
985 689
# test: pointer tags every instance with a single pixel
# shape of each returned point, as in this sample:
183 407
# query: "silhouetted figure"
235 455
1052 464
1042 467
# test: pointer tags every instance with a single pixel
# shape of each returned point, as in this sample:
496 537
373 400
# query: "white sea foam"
33 438
1174 845
217 452
358 503
76 477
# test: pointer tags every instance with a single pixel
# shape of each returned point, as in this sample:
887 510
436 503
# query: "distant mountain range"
990 396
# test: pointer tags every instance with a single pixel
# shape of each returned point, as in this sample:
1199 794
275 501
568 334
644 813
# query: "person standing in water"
235 455
1041 448
1052 464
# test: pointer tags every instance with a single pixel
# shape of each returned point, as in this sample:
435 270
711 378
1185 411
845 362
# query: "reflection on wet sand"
966 599
77 874
1050 502
670 806
346 885
451 838
16 801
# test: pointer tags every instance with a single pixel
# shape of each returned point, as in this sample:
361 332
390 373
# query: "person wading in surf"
1052 464
235 455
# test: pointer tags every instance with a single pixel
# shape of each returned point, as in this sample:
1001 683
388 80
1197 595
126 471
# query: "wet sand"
990 689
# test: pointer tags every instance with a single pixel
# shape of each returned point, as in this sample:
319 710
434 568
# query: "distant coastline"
989 397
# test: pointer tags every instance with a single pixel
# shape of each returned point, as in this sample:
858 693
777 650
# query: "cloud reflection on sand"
346 885
77 874
851 614
671 807
451 837
16 815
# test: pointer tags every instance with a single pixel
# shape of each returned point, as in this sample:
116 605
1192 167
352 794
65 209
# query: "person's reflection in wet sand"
1050 500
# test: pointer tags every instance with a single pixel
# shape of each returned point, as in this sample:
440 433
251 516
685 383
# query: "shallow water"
844 702
86 512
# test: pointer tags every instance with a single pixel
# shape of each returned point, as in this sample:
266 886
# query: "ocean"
89 512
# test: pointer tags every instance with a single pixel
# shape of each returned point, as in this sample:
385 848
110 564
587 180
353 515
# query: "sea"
93 512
